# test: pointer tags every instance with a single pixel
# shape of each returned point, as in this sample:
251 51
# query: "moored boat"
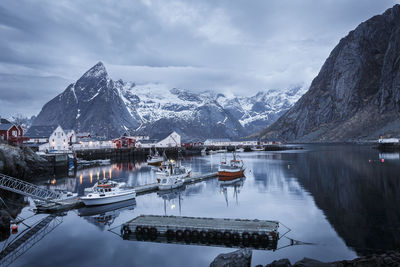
228 170
154 159
108 192
257 148
171 176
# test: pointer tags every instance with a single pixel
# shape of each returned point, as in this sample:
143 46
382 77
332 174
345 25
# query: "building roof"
40 131
161 136
5 126
218 140
4 121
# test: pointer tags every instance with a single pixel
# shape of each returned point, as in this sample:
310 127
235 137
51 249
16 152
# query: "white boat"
257 148
172 176
210 152
222 151
107 193
170 182
155 159
240 149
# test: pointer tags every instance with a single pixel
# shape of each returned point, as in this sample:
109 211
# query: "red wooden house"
11 132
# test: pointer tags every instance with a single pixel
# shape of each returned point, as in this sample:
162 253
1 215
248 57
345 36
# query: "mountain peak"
98 70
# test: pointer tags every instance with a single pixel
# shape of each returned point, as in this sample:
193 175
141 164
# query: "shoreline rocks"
22 162
238 258
242 258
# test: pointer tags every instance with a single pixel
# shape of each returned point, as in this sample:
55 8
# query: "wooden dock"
203 231
73 203
153 187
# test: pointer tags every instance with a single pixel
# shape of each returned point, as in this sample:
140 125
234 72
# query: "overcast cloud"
239 47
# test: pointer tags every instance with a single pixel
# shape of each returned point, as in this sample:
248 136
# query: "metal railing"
28 239
27 189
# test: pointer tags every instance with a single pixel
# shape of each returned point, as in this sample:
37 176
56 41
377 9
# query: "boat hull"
154 163
94 201
226 175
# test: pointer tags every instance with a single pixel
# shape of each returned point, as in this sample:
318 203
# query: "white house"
171 140
71 135
163 140
57 141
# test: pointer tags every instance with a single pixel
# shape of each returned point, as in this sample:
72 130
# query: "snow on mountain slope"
100 105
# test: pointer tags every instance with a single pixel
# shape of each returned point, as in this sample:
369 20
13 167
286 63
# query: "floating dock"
148 188
72 203
258 234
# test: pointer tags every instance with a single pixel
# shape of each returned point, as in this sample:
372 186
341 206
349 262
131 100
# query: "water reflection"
105 215
341 198
172 198
359 196
235 185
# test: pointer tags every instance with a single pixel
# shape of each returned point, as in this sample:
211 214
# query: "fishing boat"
257 148
172 176
107 192
154 159
222 151
228 170
239 149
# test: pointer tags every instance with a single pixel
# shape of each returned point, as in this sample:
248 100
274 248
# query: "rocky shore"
242 258
22 162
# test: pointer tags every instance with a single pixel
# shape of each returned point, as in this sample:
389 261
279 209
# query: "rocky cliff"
356 94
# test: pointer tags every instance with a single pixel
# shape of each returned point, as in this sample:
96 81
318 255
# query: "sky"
236 47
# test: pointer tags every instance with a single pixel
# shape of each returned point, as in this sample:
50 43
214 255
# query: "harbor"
277 190
73 203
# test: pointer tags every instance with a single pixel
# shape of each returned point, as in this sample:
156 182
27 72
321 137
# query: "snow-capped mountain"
104 107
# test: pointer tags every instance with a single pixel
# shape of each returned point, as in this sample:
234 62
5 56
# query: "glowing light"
91 177
53 181
80 178
382 160
172 206
109 173
98 176
104 174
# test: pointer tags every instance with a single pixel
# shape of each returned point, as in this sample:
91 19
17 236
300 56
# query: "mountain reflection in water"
341 198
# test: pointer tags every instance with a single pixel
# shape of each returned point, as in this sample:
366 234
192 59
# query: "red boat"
230 170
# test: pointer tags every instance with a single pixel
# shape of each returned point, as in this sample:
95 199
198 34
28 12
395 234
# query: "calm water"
338 201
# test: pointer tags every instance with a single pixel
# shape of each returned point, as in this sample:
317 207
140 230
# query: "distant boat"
155 159
222 151
240 149
257 148
108 192
211 152
231 170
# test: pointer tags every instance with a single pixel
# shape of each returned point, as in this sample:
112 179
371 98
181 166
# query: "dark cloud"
225 45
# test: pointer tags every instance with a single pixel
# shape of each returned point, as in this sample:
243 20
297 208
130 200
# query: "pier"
72 203
258 234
